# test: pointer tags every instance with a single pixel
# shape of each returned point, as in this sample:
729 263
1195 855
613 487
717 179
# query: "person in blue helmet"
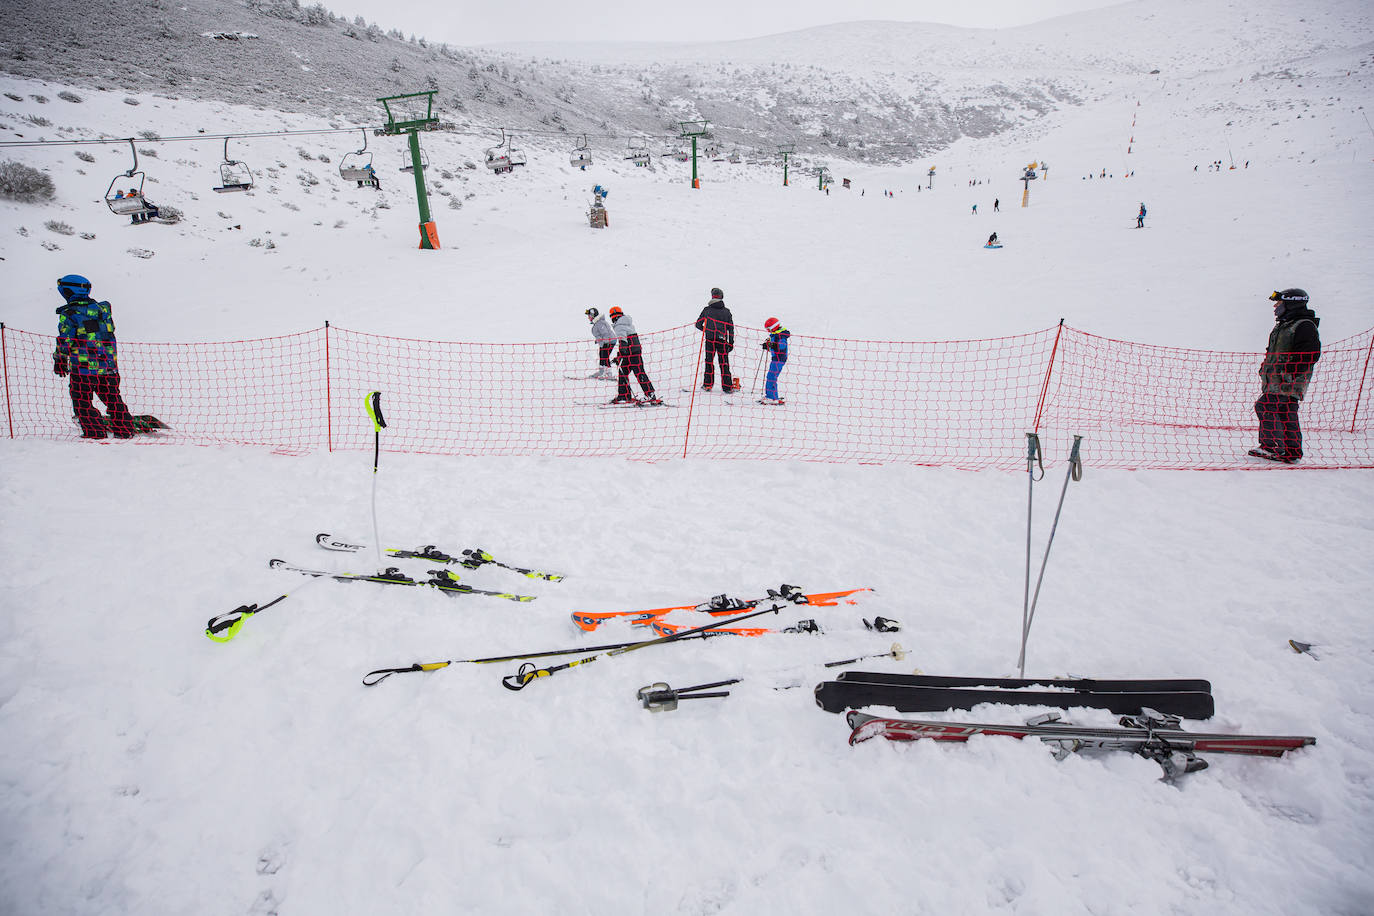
777 345
86 355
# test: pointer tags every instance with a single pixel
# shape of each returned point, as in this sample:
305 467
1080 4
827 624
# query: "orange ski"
718 606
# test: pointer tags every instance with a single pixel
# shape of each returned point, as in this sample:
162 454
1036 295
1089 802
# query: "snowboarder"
86 354
718 325
631 359
605 343
992 240
777 345
1292 354
1140 217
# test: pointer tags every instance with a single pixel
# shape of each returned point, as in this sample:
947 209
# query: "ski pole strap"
376 677
1034 455
1075 459
529 671
374 410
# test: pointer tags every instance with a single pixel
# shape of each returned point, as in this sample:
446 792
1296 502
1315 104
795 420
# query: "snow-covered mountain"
865 91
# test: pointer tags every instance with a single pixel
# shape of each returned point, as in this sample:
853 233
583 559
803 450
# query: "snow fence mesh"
964 404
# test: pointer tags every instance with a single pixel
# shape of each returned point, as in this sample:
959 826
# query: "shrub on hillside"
24 183
84 156
59 227
66 96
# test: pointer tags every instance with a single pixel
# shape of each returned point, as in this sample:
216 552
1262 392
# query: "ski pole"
373 403
754 385
376 677
896 652
1075 472
233 621
1032 456
529 671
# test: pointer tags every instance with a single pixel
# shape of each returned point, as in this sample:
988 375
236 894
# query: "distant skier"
1140 217
777 345
996 205
975 209
1289 359
718 325
631 359
87 354
992 240
605 342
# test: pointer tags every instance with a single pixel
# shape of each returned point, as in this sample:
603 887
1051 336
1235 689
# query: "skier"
996 205
1292 354
86 354
1140 217
777 345
605 343
716 322
631 359
975 209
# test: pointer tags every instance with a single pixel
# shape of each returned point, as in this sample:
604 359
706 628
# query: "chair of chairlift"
132 204
581 157
233 174
409 166
357 166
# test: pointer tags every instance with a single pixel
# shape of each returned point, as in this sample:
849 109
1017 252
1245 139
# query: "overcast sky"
469 22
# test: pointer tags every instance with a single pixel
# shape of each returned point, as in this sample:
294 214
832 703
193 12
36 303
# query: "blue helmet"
73 285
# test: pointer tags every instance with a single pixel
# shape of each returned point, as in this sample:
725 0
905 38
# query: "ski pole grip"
374 409
528 672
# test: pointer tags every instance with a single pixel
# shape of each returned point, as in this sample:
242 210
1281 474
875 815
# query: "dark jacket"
717 323
1293 350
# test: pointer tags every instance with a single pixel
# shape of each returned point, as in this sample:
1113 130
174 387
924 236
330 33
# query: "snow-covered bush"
24 183
59 227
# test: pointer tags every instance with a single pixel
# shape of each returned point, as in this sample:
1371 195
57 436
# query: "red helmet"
772 325
615 312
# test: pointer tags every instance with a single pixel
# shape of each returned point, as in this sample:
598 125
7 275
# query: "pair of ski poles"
1074 472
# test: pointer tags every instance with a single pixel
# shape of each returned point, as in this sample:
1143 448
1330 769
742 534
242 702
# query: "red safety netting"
964 404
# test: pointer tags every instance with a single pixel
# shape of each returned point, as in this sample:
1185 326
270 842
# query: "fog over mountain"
865 91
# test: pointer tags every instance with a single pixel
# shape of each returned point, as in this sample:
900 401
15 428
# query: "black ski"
837 696
472 558
1148 685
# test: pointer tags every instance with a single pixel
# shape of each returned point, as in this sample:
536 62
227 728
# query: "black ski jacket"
717 323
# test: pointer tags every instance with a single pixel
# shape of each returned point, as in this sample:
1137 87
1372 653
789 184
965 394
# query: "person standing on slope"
86 354
631 359
718 325
777 345
1140 217
1291 356
605 342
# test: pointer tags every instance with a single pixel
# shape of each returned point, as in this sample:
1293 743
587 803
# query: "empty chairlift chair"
233 174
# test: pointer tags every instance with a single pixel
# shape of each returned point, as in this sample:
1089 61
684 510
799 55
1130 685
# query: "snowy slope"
146 769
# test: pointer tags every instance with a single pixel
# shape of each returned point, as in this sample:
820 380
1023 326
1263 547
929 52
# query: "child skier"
605 343
777 345
631 359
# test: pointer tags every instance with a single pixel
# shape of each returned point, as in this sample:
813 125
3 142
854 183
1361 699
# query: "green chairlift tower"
416 113
692 130
786 149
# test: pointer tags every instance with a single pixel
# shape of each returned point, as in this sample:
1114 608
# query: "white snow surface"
148 770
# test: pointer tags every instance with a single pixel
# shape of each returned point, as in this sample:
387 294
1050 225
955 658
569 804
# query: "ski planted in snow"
472 558
442 579
718 605
839 695
1157 738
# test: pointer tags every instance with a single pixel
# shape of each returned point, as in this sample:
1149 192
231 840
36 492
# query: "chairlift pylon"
357 166
133 203
233 174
